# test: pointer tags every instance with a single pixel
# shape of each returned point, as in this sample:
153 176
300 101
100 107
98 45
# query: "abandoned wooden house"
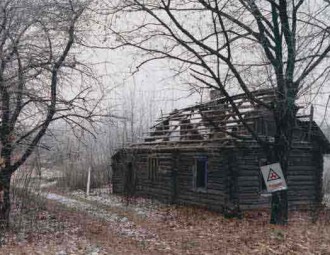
189 157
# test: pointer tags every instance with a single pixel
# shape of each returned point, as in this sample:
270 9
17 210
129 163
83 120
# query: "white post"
88 181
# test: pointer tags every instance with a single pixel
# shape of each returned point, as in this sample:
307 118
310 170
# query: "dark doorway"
201 173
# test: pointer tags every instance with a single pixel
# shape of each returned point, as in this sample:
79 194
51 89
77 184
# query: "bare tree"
226 44
41 79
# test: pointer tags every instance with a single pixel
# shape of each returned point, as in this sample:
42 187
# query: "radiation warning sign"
273 177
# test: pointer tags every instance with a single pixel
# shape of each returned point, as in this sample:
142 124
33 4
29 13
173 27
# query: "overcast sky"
155 85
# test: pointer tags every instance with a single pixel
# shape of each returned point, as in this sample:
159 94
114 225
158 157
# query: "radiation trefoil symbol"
272 175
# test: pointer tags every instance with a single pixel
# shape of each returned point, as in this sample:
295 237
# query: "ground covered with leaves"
106 224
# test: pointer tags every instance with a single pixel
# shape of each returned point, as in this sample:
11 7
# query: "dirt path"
94 225
124 220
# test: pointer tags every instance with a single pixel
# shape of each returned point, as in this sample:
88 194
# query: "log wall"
304 179
233 178
215 194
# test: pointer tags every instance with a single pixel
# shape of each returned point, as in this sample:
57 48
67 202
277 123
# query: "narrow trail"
128 222
123 220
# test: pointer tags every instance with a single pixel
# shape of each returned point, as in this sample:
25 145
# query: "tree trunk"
279 208
5 178
285 118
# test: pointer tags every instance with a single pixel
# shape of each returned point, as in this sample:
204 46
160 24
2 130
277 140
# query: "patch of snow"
48 174
140 206
122 225
61 253
47 185
124 219
61 199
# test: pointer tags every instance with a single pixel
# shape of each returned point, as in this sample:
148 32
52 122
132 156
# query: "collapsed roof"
215 122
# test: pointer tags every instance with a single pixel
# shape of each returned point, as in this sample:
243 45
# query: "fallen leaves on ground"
143 228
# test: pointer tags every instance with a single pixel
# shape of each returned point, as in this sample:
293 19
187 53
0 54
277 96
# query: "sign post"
273 177
88 181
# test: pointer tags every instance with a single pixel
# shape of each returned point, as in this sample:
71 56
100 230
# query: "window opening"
201 173
152 168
